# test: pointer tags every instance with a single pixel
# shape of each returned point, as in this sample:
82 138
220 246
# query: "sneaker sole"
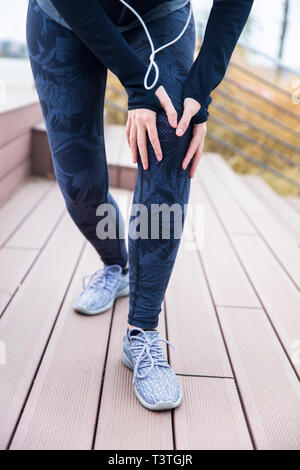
161 405
122 293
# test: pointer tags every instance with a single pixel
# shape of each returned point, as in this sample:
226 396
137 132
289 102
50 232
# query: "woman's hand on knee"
191 107
141 122
195 149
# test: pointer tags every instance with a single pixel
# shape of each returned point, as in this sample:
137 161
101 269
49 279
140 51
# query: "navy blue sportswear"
70 81
94 22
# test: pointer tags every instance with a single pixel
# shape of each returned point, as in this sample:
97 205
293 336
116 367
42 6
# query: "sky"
264 35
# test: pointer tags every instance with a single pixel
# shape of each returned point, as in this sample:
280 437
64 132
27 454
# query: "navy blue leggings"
71 82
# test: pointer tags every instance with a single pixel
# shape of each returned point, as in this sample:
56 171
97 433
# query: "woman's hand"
191 107
141 122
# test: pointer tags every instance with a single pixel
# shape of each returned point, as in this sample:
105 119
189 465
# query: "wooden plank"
285 248
219 167
294 202
28 320
122 171
14 265
191 320
277 205
17 208
18 120
12 154
125 157
227 280
268 385
233 217
127 424
13 179
113 139
272 230
4 299
210 416
41 159
278 294
113 134
39 223
62 406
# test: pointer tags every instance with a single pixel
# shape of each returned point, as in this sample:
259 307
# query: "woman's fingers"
133 142
194 144
195 148
153 137
167 105
141 123
191 107
128 126
195 163
142 145
184 122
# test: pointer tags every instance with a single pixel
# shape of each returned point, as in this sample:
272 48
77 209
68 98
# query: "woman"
71 46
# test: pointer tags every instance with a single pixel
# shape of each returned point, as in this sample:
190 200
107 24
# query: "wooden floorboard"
13 179
211 416
29 318
233 217
227 280
16 263
231 310
280 297
113 142
293 202
22 248
268 385
191 320
62 407
40 222
17 208
278 205
275 235
13 153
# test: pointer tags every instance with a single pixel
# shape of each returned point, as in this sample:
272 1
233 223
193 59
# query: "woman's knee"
173 146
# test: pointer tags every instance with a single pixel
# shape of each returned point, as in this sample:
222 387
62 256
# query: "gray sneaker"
155 384
101 289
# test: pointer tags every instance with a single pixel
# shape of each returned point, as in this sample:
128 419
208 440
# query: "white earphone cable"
152 62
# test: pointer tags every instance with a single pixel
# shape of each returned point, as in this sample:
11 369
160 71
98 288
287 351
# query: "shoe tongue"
114 268
150 333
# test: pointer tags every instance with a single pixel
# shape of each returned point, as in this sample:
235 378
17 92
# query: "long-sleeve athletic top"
94 22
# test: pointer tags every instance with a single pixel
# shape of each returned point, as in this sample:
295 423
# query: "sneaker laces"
105 277
148 353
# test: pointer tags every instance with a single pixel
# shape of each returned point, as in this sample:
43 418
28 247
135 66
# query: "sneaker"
101 289
155 384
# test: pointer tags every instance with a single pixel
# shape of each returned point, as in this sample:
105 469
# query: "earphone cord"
152 62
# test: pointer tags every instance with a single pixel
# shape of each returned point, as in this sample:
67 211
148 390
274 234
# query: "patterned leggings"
71 82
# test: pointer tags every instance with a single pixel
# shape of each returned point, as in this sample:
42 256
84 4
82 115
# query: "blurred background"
255 115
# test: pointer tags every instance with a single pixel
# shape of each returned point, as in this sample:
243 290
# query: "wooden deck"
232 310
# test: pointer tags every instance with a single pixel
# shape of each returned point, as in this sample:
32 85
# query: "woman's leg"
151 260
70 82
